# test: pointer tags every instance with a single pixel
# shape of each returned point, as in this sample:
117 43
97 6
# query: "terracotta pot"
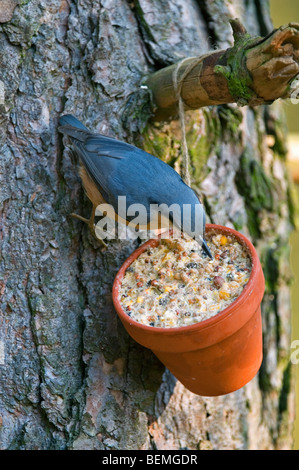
218 355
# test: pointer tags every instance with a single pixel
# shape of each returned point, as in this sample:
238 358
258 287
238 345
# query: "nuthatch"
111 168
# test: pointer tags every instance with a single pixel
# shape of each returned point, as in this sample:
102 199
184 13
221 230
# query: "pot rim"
204 324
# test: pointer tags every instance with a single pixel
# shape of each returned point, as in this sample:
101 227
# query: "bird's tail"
69 120
71 126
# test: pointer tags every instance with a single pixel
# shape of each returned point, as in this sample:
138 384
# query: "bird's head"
194 224
189 216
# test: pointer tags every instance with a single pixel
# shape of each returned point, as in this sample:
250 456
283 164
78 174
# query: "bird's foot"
91 225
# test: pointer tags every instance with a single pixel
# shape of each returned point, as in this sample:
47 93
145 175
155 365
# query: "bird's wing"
121 169
130 171
93 163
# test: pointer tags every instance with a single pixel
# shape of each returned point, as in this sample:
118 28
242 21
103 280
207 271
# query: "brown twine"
178 84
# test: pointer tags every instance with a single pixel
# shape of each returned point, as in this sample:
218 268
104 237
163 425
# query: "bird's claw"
91 225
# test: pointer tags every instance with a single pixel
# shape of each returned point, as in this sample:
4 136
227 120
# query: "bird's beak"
206 249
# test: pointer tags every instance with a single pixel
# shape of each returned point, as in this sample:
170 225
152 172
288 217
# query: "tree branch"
254 71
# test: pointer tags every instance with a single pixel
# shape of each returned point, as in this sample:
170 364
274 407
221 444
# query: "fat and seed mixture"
177 284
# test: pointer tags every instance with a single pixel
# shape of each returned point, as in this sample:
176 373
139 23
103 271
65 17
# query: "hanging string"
178 88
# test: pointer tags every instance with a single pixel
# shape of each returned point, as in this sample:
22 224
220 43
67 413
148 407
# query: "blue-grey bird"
111 168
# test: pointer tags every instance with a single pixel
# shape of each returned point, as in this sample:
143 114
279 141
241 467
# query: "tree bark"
71 378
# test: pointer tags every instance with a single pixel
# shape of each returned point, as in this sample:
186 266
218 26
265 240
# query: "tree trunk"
71 378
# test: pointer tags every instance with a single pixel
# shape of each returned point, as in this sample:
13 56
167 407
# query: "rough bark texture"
71 378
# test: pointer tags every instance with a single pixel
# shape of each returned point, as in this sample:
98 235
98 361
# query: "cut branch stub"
254 71
274 63
201 87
